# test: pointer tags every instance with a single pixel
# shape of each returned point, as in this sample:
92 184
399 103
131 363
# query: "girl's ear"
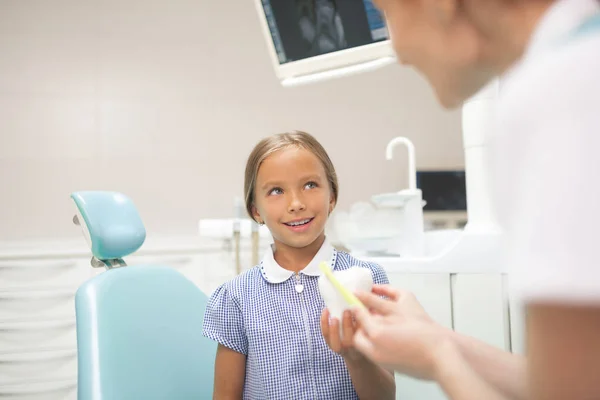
256 215
331 204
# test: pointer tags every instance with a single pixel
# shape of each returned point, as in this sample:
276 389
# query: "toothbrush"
348 296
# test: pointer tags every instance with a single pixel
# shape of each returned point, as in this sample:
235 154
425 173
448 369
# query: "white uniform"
546 160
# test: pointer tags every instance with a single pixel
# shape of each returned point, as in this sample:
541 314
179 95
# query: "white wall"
164 100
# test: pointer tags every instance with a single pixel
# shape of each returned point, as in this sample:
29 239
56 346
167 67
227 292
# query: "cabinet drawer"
37 366
26 336
41 274
37 304
517 326
480 308
64 389
433 292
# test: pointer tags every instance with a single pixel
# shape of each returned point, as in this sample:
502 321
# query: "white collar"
274 273
562 18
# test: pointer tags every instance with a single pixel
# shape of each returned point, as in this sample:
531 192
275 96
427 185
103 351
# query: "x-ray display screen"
302 29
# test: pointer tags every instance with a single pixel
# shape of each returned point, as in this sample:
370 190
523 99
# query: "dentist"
545 168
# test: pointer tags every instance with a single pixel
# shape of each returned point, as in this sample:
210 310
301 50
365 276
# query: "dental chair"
139 327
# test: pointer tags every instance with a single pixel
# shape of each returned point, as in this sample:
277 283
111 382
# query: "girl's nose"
296 204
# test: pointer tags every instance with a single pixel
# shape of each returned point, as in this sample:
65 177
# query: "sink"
364 229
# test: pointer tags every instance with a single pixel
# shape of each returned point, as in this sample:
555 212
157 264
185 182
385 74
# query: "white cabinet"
31 272
36 304
64 389
433 292
37 366
22 336
480 308
38 358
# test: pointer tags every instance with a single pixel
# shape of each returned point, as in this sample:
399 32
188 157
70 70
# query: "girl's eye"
275 191
311 185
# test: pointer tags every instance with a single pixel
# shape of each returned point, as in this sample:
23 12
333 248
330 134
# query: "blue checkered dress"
278 329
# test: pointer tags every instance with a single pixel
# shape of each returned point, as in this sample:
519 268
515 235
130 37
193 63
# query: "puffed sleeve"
224 321
378 273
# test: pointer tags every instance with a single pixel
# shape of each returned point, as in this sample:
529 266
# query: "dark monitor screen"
443 190
302 29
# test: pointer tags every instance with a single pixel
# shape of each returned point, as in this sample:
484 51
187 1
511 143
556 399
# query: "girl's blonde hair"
272 144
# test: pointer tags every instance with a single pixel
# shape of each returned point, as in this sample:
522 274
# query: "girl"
275 339
545 162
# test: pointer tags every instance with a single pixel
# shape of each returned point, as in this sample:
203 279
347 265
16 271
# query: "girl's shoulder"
245 282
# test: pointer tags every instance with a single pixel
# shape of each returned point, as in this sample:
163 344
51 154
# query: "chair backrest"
139 327
139 336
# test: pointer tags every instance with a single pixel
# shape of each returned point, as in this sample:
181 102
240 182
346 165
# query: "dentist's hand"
398 334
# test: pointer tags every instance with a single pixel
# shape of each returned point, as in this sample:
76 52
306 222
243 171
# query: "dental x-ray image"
321 26
302 29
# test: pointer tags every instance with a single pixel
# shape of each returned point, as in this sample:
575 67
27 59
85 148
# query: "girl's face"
293 197
436 38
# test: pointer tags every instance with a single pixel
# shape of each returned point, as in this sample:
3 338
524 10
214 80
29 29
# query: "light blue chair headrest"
110 222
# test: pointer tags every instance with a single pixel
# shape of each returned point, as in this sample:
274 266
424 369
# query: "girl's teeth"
299 223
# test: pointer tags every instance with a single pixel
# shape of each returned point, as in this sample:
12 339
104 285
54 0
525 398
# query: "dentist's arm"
398 334
230 373
504 371
458 380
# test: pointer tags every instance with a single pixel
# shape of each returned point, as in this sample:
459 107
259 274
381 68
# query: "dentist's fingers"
377 304
388 291
364 345
365 320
